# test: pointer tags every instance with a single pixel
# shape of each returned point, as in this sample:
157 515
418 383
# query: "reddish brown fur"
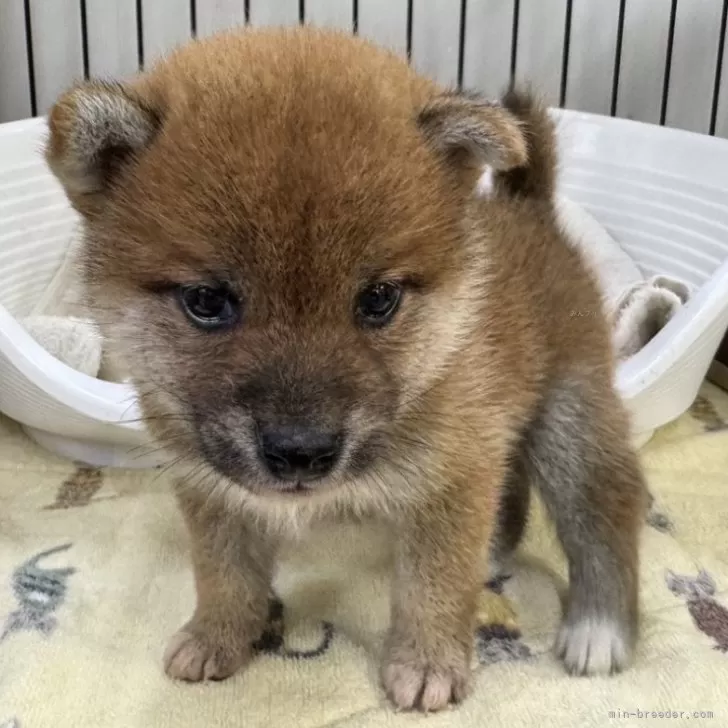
292 162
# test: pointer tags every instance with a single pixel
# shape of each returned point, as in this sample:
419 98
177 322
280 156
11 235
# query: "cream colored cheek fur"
447 328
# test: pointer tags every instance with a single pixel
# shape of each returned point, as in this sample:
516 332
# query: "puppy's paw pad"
429 688
594 647
193 657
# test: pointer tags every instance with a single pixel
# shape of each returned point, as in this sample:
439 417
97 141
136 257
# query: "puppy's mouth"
298 489
272 488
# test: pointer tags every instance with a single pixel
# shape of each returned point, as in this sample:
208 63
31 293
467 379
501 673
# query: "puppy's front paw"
594 646
204 652
414 682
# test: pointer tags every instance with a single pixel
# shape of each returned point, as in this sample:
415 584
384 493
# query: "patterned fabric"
39 592
95 576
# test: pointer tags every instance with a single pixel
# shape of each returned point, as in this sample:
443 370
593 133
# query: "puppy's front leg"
232 564
441 562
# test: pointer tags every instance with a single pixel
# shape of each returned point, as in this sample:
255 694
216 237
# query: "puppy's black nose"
299 453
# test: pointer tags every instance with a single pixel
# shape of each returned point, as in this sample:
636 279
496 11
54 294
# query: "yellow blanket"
94 577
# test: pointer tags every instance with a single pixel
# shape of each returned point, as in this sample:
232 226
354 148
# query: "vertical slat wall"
436 39
539 55
643 61
386 22
57 47
694 49
111 38
274 12
165 24
15 72
215 15
328 14
720 101
488 52
660 61
590 65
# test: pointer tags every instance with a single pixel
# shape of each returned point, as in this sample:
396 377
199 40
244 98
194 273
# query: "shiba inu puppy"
284 247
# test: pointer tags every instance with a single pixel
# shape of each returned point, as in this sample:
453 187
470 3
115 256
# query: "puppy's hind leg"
511 523
494 607
577 454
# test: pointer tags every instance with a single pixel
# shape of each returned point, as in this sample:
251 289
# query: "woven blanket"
94 577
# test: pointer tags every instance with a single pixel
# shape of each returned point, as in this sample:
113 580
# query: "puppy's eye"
209 306
377 303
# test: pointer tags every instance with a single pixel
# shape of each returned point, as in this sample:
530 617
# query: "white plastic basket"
662 193
68 412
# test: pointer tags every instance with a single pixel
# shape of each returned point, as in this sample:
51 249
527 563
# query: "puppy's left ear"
472 134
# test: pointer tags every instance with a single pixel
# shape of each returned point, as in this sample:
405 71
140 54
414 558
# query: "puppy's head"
276 247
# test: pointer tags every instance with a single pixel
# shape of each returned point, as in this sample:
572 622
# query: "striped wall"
659 61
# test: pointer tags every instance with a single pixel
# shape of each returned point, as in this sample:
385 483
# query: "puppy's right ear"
95 129
471 134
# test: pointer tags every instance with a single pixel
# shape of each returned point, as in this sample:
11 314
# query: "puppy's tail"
537 178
